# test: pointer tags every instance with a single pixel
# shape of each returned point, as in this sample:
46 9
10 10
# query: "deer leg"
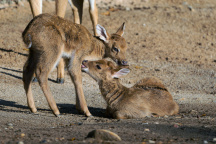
61 6
28 71
60 72
76 76
42 75
36 7
77 8
93 14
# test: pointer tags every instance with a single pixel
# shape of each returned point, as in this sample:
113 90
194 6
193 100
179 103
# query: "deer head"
115 44
103 70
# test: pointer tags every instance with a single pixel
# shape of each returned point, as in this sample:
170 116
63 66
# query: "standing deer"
148 96
77 8
50 38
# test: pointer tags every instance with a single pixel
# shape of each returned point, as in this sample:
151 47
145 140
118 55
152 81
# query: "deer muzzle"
123 63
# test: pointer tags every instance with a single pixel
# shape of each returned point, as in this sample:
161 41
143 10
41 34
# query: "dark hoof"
34 79
60 80
58 115
89 117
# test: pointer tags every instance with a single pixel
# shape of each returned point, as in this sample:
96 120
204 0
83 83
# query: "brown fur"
148 96
51 38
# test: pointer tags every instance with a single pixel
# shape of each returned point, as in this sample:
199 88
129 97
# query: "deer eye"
98 67
116 49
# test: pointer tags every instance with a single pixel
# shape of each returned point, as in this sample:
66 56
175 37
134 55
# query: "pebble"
104 135
127 9
22 134
10 127
45 141
80 123
151 141
205 141
147 130
20 142
214 139
10 124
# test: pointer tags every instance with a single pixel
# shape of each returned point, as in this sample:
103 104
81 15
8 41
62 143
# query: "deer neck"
112 91
98 49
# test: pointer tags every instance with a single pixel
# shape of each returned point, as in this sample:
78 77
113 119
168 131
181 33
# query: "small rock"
205 141
10 127
156 122
214 139
20 142
146 130
80 123
10 124
190 8
151 141
127 9
103 135
45 141
22 135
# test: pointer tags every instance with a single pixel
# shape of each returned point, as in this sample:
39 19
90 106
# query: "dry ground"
173 40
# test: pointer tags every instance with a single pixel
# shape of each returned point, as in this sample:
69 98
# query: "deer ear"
101 31
120 73
120 31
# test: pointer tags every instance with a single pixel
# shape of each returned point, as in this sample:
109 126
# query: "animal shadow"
71 109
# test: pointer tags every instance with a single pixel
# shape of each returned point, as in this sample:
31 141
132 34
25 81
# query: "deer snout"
85 61
84 64
123 62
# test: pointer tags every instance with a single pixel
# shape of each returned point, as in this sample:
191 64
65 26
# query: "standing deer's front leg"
61 6
93 14
76 76
36 7
77 8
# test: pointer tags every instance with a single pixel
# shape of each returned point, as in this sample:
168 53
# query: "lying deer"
77 8
51 38
148 96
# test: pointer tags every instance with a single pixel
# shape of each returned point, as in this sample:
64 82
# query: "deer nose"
84 61
123 62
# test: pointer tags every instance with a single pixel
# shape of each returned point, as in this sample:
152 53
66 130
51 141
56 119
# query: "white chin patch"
85 70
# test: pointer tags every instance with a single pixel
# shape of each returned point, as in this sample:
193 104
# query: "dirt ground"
172 40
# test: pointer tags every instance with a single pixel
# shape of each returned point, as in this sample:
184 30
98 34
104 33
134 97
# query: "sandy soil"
173 40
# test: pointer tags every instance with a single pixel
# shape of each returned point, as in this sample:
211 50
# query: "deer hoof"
58 115
34 110
60 80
